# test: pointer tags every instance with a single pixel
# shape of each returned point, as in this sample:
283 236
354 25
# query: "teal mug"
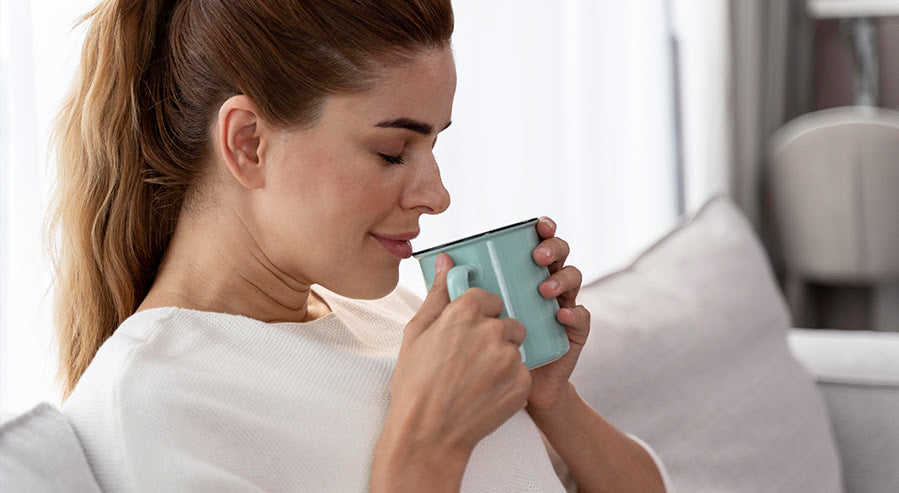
501 261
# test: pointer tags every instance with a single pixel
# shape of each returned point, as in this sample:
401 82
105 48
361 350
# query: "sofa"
690 349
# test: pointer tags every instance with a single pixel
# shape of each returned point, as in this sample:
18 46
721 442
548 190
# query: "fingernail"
552 284
440 264
566 313
548 221
545 251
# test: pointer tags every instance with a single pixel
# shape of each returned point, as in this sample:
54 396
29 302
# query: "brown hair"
132 136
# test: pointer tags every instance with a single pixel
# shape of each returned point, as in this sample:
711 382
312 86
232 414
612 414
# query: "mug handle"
458 280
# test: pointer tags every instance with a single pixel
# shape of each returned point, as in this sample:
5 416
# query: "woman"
238 182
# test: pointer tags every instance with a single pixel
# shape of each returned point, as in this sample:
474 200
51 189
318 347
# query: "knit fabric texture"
184 400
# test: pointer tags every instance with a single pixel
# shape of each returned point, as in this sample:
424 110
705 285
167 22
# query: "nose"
426 192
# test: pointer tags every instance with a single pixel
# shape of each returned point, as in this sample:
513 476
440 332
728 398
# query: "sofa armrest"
857 373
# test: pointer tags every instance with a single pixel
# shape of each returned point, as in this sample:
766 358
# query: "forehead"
421 89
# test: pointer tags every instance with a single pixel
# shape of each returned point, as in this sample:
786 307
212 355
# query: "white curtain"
38 53
701 28
562 109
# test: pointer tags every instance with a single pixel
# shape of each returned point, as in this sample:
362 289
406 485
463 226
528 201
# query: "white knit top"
183 400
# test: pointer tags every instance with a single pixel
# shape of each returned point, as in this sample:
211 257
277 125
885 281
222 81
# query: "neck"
213 264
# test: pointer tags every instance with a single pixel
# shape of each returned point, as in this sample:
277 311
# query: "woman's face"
342 199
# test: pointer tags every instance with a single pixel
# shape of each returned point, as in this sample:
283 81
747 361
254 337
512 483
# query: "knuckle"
472 297
575 273
494 326
517 330
486 295
465 303
559 245
488 302
477 292
457 313
453 310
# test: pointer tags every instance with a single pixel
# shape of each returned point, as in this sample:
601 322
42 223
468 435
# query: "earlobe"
240 141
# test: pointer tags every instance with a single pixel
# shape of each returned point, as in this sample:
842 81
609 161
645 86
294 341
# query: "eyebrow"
410 124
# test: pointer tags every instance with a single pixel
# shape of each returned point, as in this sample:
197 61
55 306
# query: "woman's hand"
458 377
549 383
600 457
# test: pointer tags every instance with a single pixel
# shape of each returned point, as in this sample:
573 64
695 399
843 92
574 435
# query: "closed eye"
392 159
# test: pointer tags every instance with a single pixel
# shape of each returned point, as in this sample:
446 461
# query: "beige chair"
834 181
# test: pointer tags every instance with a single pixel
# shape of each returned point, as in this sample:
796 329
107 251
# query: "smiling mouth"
401 249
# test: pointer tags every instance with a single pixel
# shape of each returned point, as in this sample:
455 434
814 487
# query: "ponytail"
132 139
106 239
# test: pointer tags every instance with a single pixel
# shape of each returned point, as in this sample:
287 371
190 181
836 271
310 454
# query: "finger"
577 321
546 227
515 331
481 302
552 252
564 285
436 300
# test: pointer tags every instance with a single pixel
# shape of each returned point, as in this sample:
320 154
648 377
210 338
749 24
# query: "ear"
240 141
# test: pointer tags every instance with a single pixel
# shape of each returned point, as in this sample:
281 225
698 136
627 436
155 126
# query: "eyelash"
392 159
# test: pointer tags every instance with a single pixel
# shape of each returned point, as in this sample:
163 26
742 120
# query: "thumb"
435 302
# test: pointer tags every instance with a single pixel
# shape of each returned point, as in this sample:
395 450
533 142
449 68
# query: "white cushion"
40 452
688 351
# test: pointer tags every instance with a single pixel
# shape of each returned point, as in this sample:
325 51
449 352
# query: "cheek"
339 191
320 186
365 191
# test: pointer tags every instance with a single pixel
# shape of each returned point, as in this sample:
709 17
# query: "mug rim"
426 251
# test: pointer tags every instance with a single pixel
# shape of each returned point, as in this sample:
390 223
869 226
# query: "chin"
369 286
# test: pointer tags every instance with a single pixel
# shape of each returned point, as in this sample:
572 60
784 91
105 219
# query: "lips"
398 245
